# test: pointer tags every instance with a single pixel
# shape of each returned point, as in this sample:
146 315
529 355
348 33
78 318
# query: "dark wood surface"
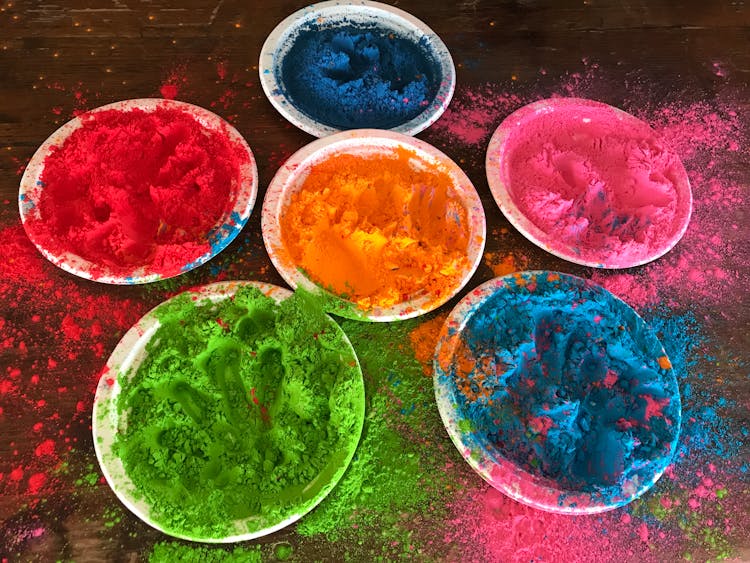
58 57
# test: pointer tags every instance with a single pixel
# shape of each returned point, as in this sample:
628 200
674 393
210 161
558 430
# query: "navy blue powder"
575 391
355 77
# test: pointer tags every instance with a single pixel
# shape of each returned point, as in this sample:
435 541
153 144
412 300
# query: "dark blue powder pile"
576 392
348 77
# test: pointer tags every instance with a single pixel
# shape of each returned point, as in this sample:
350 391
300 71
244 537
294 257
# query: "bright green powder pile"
243 414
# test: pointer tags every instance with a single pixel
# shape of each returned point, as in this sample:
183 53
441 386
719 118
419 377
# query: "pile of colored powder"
168 552
601 187
377 229
566 381
243 414
350 77
132 190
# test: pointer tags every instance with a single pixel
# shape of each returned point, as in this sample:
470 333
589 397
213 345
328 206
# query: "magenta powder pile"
598 182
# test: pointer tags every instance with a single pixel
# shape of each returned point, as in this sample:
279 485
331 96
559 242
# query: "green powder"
243 414
402 463
170 552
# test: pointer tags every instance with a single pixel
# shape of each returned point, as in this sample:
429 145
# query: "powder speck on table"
242 410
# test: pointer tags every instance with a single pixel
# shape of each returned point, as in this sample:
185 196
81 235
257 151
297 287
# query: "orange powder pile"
423 339
377 230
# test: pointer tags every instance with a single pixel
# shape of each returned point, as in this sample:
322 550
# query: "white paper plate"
226 230
500 186
107 422
362 13
485 456
367 142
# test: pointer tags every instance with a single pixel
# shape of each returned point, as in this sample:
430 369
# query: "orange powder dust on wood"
423 340
378 230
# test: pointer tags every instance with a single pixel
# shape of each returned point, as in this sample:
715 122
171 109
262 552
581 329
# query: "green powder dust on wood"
403 462
171 552
243 413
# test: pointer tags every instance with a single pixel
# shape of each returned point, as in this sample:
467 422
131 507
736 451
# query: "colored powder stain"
47 384
135 189
504 264
423 338
169 91
571 390
638 290
377 230
488 526
248 419
474 114
169 552
599 186
357 77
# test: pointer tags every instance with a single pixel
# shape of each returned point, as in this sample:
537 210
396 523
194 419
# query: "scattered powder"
356 77
111 191
169 552
504 264
246 412
402 462
474 114
377 230
423 339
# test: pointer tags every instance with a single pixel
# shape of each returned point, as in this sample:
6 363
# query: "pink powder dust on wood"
594 185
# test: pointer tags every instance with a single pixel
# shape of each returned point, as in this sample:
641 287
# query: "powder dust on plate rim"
383 20
129 356
589 183
172 250
548 394
366 143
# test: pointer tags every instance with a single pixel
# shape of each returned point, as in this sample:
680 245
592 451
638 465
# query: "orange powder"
423 339
378 230
503 264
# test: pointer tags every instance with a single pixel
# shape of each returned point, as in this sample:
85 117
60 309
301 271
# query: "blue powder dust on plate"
569 384
351 77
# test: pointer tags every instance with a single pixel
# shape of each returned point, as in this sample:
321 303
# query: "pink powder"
594 185
491 527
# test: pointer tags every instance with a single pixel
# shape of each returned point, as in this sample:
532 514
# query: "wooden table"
57 331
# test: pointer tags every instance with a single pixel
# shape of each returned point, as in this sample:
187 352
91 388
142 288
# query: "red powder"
135 189
36 482
169 91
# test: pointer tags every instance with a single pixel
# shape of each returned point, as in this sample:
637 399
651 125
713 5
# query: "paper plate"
490 333
366 142
502 189
244 194
107 422
363 13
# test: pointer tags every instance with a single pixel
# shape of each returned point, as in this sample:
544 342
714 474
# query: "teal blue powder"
576 393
